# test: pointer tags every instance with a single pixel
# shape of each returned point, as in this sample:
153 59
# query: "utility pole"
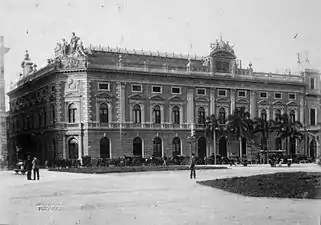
3 130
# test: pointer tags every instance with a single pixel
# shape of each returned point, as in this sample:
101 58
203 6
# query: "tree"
240 125
211 125
264 127
288 129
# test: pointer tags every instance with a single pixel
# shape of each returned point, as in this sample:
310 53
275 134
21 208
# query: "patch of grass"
99 170
300 185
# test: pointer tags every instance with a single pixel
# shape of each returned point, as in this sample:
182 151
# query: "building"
106 102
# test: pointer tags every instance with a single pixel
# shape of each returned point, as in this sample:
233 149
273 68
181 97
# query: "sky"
261 31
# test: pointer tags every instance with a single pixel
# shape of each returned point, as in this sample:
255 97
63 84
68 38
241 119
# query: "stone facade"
107 102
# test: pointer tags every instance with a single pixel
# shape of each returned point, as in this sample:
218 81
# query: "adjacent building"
107 102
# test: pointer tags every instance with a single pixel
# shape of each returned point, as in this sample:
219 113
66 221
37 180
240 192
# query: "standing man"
29 167
35 167
192 166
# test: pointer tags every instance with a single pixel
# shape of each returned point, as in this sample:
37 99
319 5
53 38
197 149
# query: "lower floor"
114 144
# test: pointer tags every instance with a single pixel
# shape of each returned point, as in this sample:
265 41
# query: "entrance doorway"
223 146
73 148
104 148
137 146
202 148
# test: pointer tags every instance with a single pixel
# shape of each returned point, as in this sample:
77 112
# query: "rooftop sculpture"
221 46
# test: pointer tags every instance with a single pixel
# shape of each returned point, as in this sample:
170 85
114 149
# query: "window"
312 116
137 88
263 114
312 83
137 113
176 90
242 94
221 116
277 115
292 96
277 95
176 115
53 113
156 89
72 109
201 91
157 114
292 116
263 95
201 115
103 86
103 113
221 92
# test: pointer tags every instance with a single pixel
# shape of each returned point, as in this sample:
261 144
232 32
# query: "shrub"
86 160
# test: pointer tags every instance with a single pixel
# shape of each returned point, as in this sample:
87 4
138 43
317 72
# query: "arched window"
103 113
278 144
176 146
222 116
104 148
53 113
137 114
72 109
157 114
175 115
263 114
277 115
201 115
73 148
292 116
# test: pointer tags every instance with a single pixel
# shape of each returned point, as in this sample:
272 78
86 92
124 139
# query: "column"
301 108
190 106
64 147
122 102
212 101
143 113
110 112
162 114
253 106
232 101
181 116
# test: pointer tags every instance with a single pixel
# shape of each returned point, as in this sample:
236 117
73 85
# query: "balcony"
316 127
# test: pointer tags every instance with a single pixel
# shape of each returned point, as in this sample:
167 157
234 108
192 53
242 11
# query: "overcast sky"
262 31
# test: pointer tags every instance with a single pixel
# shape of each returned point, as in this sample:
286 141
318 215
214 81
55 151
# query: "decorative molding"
242 101
202 99
157 97
136 97
263 102
175 98
292 103
222 100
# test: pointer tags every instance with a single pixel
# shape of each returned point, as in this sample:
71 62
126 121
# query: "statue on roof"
74 42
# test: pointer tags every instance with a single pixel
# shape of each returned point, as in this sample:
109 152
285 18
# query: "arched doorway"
157 147
137 146
243 147
292 146
176 146
202 148
223 146
73 148
104 148
313 149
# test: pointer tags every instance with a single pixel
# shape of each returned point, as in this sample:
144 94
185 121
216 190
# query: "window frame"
265 93
141 88
99 89
291 94
277 93
218 93
161 89
197 89
245 94
180 91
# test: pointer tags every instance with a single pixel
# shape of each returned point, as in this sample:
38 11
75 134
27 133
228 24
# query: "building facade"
106 102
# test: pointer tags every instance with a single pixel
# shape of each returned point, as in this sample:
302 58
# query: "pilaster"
232 97
212 101
253 106
190 105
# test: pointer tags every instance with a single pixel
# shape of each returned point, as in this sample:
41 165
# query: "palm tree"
287 128
211 125
265 128
240 124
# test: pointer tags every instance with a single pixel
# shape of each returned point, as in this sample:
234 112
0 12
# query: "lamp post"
191 138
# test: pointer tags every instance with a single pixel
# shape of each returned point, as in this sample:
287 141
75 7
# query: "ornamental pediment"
279 103
136 97
175 98
103 95
202 99
156 97
263 102
223 100
291 104
242 101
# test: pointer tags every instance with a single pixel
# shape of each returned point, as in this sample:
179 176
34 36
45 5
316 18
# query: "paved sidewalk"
151 198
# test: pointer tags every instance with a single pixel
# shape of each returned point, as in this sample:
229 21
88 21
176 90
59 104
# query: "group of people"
32 165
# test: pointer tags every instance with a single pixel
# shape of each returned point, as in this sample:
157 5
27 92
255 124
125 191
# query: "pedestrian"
35 167
29 167
192 166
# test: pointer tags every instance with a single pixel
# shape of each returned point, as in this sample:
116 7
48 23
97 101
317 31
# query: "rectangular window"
201 91
277 95
242 94
103 86
137 88
263 95
156 89
312 83
221 92
176 90
312 116
291 96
